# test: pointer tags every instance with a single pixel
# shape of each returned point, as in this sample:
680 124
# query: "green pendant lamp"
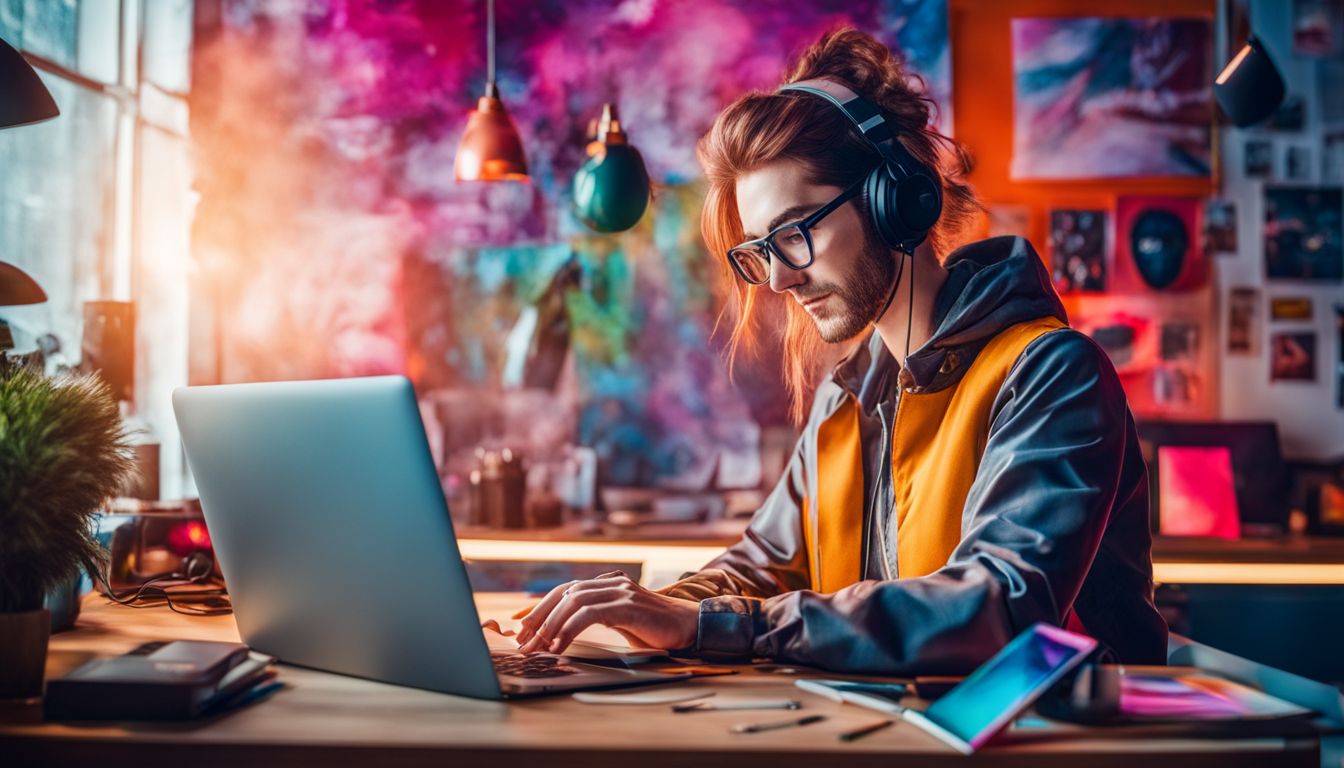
490 148
611 188
24 98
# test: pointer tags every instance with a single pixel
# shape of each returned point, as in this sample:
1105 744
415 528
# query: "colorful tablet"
1001 688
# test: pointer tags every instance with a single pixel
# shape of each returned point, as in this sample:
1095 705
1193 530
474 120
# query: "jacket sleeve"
1032 524
770 558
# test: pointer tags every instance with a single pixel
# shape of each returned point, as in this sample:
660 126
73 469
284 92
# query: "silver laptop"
331 528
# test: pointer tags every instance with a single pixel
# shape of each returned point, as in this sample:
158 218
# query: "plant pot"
23 646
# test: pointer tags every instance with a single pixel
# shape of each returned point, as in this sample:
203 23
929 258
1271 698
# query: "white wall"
1311 424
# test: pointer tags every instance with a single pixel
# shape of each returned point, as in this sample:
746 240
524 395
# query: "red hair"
760 128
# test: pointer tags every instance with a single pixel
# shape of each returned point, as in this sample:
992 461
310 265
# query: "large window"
96 204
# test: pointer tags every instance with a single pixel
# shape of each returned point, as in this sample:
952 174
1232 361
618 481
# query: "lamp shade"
490 148
1250 87
611 188
16 287
23 96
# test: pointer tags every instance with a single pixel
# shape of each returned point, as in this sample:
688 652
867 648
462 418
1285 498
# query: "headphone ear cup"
879 190
199 566
919 203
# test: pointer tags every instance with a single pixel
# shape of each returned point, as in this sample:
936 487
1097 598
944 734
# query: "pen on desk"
758 727
705 706
859 733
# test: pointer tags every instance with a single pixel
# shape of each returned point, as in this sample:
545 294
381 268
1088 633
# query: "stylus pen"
758 727
859 733
705 706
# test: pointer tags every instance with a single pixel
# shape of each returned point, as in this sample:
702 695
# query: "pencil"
859 733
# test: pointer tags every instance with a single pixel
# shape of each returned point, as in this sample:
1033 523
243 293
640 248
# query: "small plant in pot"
63 452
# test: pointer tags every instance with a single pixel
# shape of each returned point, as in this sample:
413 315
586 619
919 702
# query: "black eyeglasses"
790 243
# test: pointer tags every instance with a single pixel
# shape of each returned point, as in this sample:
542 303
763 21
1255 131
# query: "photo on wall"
1297 163
1304 233
1293 356
1332 156
1257 159
1243 326
1078 250
1317 28
1220 227
1111 97
1290 308
1006 219
1339 355
1179 342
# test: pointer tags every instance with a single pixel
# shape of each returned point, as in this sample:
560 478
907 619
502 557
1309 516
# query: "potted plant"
63 452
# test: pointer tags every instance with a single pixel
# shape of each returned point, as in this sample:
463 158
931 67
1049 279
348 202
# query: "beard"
855 306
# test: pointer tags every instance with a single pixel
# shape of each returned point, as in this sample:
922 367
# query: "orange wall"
982 104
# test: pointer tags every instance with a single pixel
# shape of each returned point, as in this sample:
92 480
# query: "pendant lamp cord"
490 40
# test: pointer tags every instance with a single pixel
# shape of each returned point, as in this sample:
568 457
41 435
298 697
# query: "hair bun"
867 66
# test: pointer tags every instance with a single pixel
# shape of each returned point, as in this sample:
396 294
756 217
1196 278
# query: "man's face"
852 270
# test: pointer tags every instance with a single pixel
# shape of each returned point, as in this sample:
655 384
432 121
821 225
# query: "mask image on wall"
1304 233
1078 250
1156 244
1111 97
1292 357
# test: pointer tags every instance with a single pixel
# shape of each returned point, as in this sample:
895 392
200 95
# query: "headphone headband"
862 112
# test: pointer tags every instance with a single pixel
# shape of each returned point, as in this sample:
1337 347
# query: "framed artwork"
1220 227
1290 308
1293 356
1304 233
1008 220
1111 97
1317 28
1297 163
1257 159
1078 250
1243 321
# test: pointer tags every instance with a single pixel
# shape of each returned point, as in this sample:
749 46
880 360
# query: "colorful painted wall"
331 239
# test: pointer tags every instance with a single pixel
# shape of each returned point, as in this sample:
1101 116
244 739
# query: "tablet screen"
1010 681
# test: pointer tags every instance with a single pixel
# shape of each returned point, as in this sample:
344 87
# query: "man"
969 469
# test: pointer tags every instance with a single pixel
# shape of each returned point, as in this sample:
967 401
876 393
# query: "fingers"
577 599
532 623
582 618
541 610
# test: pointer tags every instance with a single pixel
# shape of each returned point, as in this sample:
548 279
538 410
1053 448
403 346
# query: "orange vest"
937 443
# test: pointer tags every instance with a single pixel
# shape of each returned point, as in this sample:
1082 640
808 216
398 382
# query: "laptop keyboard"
518 665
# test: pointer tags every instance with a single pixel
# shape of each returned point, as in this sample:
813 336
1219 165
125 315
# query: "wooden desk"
323 719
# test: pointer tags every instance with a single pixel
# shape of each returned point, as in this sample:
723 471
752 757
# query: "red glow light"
189 537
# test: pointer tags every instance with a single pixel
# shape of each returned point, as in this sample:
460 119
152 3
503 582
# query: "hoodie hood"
991 285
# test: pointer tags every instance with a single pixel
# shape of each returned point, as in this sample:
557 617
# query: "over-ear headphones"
903 197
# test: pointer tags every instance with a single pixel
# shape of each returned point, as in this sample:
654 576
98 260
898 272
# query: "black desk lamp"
1250 87
24 98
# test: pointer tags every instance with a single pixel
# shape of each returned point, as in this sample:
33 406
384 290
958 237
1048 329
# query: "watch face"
1159 243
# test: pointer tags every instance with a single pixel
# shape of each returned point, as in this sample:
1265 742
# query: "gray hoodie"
1055 527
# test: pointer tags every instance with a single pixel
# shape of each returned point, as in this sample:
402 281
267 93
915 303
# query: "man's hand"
613 600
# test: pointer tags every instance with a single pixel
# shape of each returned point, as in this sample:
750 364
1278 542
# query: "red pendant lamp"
490 148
